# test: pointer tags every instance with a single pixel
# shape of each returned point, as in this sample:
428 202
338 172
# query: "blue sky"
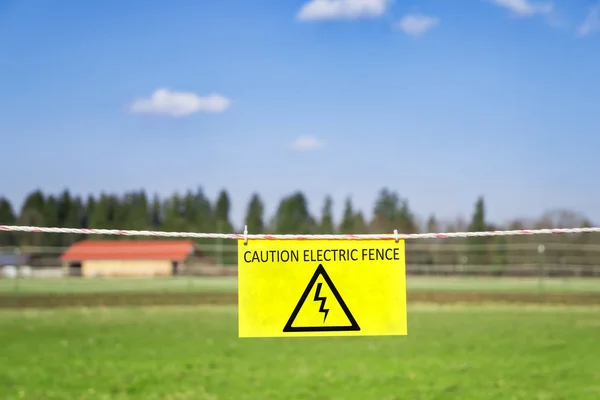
439 100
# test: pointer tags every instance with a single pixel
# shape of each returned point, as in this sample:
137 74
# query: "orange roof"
129 250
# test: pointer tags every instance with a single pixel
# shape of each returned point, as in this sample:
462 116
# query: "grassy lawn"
194 284
509 284
117 285
193 353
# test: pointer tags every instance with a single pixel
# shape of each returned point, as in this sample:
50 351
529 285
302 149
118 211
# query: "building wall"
131 268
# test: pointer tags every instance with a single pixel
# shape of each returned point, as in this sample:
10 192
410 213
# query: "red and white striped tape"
390 236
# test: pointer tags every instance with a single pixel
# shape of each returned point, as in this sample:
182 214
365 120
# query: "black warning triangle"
321 272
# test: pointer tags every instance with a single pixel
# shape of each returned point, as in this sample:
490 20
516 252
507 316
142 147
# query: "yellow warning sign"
321 288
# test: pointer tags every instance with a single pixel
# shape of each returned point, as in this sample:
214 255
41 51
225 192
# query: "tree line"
193 211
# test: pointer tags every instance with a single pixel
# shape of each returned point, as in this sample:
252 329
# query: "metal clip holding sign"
396 235
245 234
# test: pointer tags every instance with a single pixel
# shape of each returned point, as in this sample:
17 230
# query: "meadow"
62 292
179 353
229 284
472 344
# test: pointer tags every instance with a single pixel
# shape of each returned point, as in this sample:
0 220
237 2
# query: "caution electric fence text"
323 255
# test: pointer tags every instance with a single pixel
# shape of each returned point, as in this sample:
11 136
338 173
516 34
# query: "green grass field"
177 353
193 284
117 285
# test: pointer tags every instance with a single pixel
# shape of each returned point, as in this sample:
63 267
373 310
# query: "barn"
128 258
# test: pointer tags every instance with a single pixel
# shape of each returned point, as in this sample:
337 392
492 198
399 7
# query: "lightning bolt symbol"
322 300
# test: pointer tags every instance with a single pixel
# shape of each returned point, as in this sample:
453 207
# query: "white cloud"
305 143
178 104
525 8
591 23
416 25
342 9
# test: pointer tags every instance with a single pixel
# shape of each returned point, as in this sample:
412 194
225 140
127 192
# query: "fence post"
220 243
17 252
540 249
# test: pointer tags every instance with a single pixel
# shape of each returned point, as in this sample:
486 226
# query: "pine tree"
7 217
293 215
32 214
255 215
348 218
326 224
222 208
478 252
